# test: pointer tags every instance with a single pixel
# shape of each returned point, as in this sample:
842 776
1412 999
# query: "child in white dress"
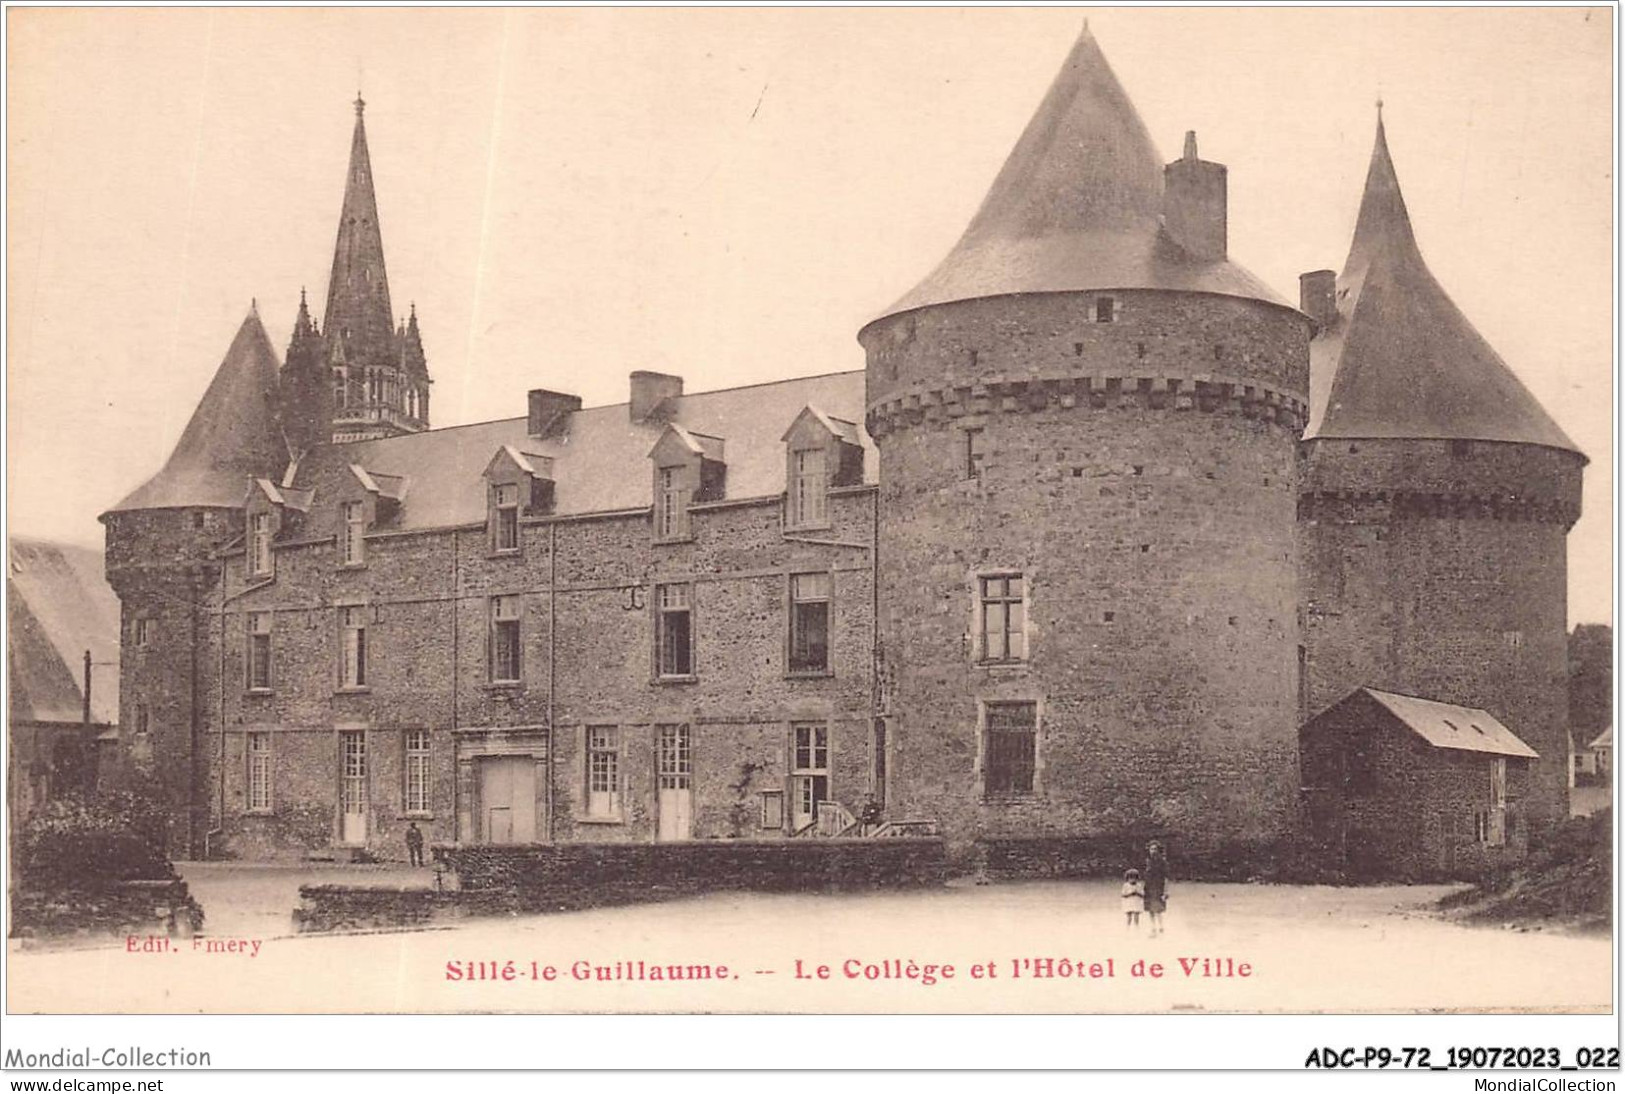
1133 899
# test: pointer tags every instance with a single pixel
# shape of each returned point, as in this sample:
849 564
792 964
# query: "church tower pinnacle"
373 392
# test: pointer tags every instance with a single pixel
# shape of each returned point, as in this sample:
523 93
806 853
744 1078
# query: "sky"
729 194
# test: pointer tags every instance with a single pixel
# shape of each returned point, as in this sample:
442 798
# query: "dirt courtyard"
1245 948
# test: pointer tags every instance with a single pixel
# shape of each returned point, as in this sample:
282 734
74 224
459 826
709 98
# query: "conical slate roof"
1076 206
358 312
232 436
1401 360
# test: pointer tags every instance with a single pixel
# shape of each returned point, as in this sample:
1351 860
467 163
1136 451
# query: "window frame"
985 732
259 772
663 612
352 534
505 518
1104 309
808 764
606 742
1010 636
141 630
672 498
261 559
975 451
505 628
258 653
793 639
359 679
417 785
808 488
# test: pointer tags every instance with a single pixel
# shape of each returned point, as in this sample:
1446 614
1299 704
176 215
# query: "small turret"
307 399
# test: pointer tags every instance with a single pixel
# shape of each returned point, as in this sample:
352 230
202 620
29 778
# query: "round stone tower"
161 544
1086 419
1436 497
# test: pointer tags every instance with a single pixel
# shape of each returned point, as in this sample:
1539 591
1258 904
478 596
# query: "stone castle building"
1100 525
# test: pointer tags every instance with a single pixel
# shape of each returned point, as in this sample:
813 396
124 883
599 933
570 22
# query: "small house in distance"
1399 786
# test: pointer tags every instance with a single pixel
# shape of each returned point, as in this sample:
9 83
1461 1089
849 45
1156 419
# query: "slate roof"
59 605
1445 725
232 436
601 457
1401 360
1605 739
1076 207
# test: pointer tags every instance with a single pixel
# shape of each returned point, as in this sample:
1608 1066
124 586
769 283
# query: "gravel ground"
1306 948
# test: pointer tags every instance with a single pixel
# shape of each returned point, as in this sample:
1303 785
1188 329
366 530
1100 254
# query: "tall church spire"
370 392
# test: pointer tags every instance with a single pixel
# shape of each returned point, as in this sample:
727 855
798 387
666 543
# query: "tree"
1591 681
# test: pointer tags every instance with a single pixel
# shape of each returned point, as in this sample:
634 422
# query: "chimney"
649 391
550 412
1317 297
1194 199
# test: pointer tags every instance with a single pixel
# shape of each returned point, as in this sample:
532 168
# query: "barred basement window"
809 484
604 771
352 545
353 646
1010 748
809 623
1004 624
674 627
505 647
259 651
259 772
416 796
505 517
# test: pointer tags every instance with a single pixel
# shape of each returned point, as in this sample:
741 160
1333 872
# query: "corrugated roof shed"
59 605
1401 360
1076 207
600 456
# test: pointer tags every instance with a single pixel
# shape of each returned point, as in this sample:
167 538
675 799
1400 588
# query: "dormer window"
260 561
671 503
505 517
809 488
352 536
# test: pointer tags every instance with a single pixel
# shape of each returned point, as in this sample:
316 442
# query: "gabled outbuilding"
1402 786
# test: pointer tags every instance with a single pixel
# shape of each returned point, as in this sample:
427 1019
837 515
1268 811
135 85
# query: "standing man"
414 844
1156 886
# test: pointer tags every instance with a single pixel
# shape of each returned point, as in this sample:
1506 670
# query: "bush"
91 842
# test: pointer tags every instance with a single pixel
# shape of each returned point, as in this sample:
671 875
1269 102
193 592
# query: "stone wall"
587 634
1140 476
1439 569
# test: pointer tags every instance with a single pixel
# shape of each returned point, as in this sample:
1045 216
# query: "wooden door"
507 797
353 787
675 770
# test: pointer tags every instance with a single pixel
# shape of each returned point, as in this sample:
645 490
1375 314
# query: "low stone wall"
580 875
1110 855
159 907
361 908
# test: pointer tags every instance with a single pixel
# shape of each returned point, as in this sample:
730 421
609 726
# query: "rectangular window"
773 809
259 772
1004 618
142 630
353 776
259 651
1105 309
1011 747
259 545
675 757
809 622
809 486
505 517
603 771
143 720
338 389
353 636
975 449
671 504
675 631
809 772
505 648
416 796
353 545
